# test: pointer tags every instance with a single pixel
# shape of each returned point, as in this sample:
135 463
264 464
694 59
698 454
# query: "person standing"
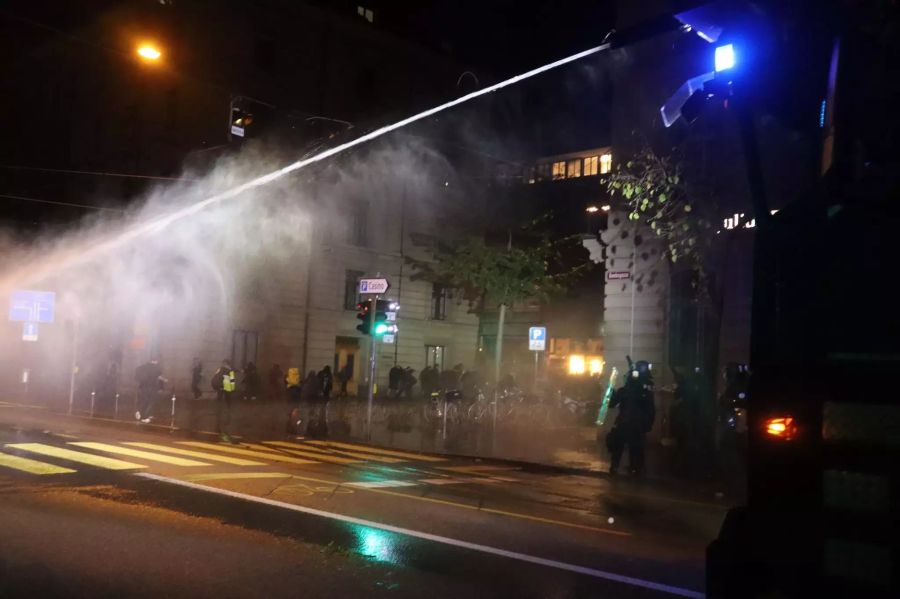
250 382
394 376
224 381
636 415
310 393
344 376
149 380
196 378
326 380
277 383
429 380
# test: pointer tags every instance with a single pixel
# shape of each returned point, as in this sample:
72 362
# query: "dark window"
351 289
244 347
359 220
439 295
264 54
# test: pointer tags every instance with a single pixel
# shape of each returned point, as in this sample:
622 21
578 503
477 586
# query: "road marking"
275 457
381 484
321 457
400 454
235 475
629 580
302 451
75 456
31 466
197 454
323 450
477 469
137 453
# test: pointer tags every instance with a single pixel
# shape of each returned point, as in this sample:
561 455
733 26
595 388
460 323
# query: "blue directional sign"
31 306
537 338
29 331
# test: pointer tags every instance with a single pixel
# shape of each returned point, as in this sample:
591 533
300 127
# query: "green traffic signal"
381 328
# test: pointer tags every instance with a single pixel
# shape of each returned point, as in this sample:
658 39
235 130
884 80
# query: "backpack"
216 382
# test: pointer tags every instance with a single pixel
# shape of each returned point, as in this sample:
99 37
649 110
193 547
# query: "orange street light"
149 52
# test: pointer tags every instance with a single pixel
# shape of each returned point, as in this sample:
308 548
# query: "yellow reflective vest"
229 382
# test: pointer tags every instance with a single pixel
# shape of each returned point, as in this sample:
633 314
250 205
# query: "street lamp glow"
149 52
725 57
591 209
605 208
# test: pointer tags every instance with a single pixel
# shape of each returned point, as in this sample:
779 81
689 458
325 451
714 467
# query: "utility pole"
373 363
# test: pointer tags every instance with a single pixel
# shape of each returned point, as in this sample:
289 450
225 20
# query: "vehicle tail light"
781 428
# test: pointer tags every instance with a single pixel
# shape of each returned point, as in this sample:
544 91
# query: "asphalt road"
133 511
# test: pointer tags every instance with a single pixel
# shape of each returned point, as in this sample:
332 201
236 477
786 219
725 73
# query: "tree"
676 203
679 214
528 265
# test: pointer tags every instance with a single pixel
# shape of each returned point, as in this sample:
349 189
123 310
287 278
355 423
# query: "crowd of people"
307 396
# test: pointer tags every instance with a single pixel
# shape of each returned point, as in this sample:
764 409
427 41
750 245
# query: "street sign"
618 274
29 331
537 338
391 316
31 306
373 286
387 338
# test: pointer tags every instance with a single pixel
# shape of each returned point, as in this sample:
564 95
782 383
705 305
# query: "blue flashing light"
725 57
822 114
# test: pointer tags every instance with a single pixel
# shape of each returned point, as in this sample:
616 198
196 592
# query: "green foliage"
533 266
658 196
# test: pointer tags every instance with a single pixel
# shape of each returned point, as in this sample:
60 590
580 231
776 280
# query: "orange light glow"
576 364
149 52
782 428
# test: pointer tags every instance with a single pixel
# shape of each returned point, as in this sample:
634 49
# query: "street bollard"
93 397
494 415
172 422
444 432
116 409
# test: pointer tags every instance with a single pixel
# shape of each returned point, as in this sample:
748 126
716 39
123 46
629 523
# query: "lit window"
605 163
559 170
573 168
590 166
365 13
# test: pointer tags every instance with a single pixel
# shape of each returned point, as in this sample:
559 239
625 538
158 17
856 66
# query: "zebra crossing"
70 456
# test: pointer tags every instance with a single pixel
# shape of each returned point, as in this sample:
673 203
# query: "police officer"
636 415
224 381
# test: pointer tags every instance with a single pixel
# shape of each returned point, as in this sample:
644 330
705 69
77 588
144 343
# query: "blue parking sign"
537 338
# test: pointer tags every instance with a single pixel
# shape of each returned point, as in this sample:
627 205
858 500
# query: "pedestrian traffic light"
382 325
362 314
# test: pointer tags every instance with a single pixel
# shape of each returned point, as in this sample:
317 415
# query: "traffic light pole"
373 361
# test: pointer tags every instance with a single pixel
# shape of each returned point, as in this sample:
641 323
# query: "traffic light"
362 314
240 121
382 325
385 317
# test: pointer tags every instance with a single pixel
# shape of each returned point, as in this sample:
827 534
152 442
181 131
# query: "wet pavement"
481 527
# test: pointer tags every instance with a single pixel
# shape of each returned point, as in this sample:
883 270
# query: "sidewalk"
572 449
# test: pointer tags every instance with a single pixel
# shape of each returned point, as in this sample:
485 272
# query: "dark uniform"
636 415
